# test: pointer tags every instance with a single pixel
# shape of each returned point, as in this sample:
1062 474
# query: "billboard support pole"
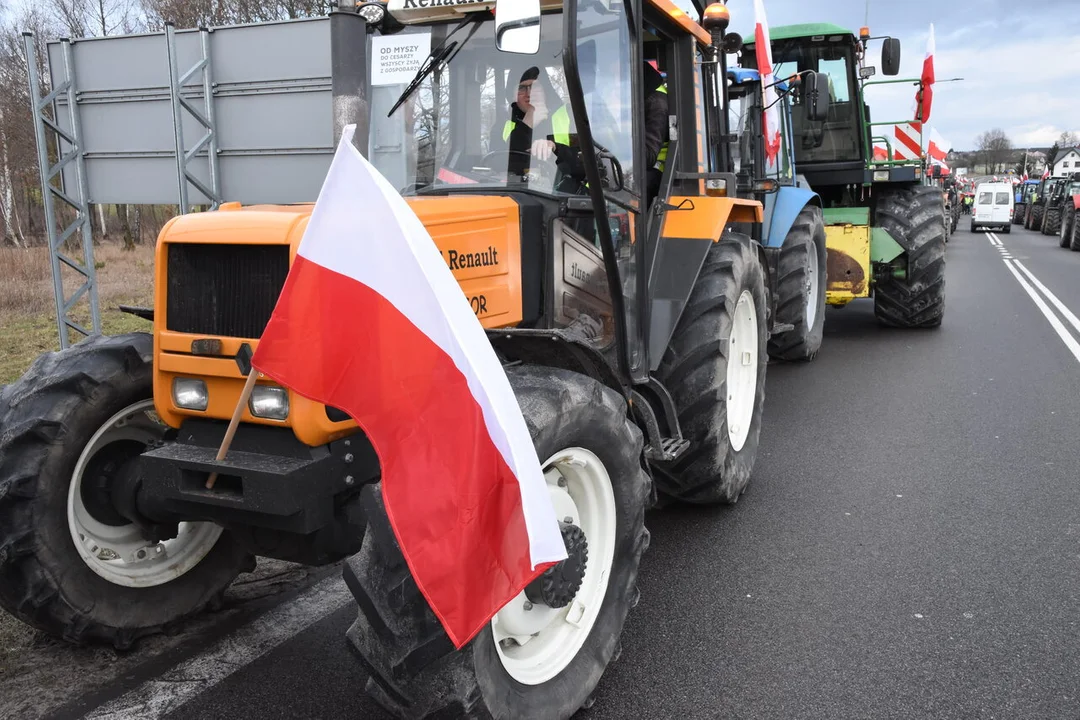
69 150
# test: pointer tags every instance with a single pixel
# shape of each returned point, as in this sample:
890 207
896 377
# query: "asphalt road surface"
909 546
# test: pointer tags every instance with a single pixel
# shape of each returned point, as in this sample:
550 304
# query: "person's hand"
543 149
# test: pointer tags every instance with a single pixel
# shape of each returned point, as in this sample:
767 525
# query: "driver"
537 114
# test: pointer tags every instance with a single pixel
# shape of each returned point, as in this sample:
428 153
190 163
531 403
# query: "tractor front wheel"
715 371
71 564
911 215
1065 233
534 660
800 291
1036 218
1051 221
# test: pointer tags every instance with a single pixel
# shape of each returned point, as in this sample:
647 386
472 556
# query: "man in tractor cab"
539 126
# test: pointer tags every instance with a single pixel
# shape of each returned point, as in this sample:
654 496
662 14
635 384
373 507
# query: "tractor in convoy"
1068 199
634 330
1054 207
1024 195
1036 208
885 227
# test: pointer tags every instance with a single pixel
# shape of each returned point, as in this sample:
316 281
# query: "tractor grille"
224 290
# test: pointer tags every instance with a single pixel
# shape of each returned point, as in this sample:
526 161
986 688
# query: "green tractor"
885 226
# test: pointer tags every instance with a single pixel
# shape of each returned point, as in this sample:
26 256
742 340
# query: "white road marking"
1066 338
993 240
180 684
1065 312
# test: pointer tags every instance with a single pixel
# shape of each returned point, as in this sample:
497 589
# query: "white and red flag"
372 321
763 51
939 147
924 96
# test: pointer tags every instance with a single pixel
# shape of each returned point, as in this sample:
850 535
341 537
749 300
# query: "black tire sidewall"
109 608
564 694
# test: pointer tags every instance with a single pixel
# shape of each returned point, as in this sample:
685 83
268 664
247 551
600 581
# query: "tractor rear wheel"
911 216
70 564
1073 242
715 371
800 288
532 660
1036 217
1051 221
1065 234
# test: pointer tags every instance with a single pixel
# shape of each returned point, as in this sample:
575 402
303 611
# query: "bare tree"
994 149
1067 140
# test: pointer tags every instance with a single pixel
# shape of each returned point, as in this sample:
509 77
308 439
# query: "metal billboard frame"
132 127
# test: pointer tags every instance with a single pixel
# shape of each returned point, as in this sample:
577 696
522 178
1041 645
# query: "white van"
993 206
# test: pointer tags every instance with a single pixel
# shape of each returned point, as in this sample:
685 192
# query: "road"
909 545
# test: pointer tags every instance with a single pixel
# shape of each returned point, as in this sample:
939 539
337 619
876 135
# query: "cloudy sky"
1020 60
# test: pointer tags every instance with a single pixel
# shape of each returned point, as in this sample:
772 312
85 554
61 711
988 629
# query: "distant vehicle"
993 206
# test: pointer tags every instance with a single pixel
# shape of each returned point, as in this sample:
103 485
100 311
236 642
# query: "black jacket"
656 116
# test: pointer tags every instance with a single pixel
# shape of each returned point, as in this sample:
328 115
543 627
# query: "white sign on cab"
396 58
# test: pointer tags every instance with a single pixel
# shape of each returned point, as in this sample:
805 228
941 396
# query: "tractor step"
670 450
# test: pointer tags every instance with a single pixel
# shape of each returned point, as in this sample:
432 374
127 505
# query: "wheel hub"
559 584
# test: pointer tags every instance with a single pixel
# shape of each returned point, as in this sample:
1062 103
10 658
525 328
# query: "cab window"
1002 198
985 198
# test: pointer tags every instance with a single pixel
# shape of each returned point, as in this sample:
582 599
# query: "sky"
1020 60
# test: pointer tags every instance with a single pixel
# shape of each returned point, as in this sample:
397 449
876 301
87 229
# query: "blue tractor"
793 231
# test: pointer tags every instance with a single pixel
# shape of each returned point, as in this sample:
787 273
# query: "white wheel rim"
537 644
119 553
742 364
811 286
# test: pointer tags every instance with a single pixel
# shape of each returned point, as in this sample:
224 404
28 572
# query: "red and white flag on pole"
939 147
372 321
924 96
763 51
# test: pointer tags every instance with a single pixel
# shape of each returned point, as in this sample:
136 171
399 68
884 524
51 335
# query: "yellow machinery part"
847 262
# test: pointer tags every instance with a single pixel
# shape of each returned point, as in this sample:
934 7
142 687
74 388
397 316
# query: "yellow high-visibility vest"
560 127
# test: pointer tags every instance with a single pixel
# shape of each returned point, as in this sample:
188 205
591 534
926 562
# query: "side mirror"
816 96
890 56
517 26
937 171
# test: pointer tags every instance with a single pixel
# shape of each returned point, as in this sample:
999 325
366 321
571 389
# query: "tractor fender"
1076 202
781 209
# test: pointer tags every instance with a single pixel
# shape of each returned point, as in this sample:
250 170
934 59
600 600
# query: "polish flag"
939 147
763 50
372 321
924 97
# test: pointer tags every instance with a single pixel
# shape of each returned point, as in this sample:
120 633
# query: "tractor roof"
786 32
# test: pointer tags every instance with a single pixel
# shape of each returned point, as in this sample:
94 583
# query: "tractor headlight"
269 402
881 176
190 394
372 12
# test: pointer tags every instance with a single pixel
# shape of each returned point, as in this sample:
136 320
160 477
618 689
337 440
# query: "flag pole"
234 422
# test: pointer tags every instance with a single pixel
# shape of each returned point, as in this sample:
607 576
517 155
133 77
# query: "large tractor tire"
1065 232
800 291
1051 221
591 454
1073 242
715 371
1036 217
911 216
70 564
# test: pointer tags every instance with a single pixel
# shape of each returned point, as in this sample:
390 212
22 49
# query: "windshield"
485 118
837 138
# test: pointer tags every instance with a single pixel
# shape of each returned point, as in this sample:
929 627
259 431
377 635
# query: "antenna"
866 20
